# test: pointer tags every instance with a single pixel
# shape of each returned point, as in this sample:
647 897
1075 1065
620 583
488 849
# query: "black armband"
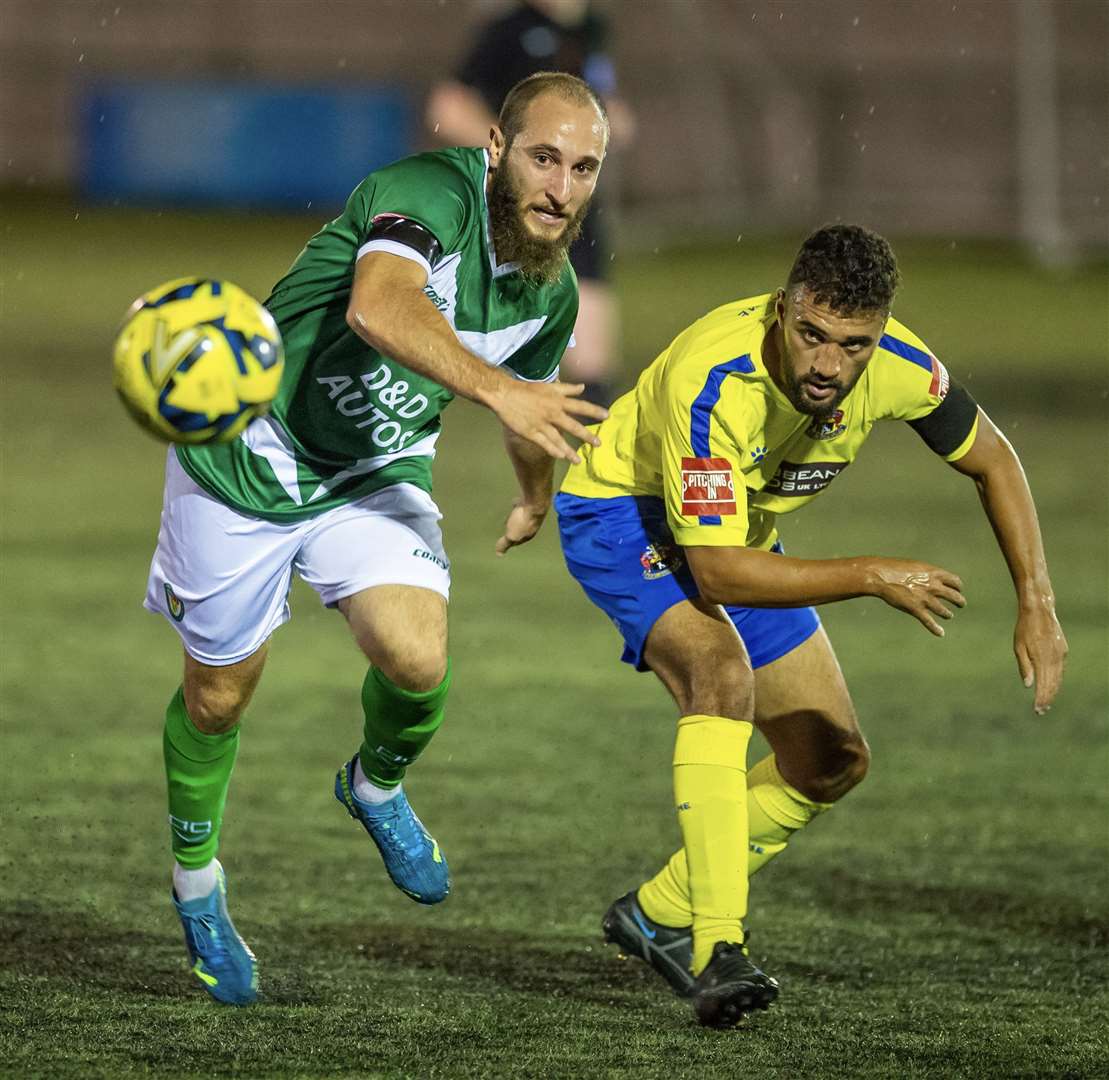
402 230
946 427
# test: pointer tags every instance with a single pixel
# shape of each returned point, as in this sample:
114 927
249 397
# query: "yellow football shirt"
707 430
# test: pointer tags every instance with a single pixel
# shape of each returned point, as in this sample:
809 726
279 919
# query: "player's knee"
417 670
843 767
216 696
854 763
862 760
214 709
215 705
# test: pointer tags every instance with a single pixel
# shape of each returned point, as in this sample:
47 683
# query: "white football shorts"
222 578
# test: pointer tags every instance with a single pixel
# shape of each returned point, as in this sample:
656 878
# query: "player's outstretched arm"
750 578
389 310
1039 643
535 473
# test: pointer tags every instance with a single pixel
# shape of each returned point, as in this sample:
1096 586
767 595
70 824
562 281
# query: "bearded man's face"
823 352
541 184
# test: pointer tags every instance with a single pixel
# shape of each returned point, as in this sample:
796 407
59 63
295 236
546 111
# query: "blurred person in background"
670 527
547 35
446 275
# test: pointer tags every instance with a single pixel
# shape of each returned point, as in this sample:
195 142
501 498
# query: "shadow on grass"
973 907
309 964
304 963
87 952
514 962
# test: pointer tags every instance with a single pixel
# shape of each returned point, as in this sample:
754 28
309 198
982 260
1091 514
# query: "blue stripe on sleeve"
906 351
700 412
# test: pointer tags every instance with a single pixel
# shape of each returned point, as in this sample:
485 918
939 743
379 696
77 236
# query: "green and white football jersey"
348 420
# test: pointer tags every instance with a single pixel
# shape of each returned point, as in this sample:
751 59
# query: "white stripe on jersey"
394 248
553 377
497 346
494 346
424 448
267 439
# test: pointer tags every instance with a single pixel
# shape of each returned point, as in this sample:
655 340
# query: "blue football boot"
412 858
221 959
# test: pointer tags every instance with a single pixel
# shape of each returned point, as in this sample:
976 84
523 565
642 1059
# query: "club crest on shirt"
658 560
826 427
174 603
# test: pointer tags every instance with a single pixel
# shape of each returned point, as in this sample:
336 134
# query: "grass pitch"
948 919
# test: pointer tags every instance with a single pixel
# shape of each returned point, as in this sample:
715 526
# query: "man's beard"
819 409
541 261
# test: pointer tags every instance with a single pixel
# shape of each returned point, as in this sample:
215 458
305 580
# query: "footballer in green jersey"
349 419
446 275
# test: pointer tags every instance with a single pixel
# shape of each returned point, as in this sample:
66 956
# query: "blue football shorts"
622 553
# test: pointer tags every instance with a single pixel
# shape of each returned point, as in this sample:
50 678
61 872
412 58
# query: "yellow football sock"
710 765
775 811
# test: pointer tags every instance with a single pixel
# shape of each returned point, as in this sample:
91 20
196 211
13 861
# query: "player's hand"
522 523
541 412
918 589
1041 650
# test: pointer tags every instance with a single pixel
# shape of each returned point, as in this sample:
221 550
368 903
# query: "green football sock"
198 772
399 724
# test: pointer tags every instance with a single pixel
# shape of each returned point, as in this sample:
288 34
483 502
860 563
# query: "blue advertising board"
238 144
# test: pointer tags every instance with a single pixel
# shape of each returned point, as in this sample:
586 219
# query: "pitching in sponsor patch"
707 486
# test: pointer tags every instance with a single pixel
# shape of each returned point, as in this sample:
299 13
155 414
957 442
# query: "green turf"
949 919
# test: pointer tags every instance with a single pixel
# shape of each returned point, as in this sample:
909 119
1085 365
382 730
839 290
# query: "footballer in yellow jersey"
709 431
670 526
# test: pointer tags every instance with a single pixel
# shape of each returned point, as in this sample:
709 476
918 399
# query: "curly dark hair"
848 268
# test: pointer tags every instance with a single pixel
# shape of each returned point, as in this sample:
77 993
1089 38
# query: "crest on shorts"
174 603
826 427
658 560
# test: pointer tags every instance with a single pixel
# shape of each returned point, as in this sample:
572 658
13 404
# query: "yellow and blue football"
196 360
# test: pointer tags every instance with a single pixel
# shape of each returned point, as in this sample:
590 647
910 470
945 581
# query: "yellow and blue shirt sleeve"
915 386
706 501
